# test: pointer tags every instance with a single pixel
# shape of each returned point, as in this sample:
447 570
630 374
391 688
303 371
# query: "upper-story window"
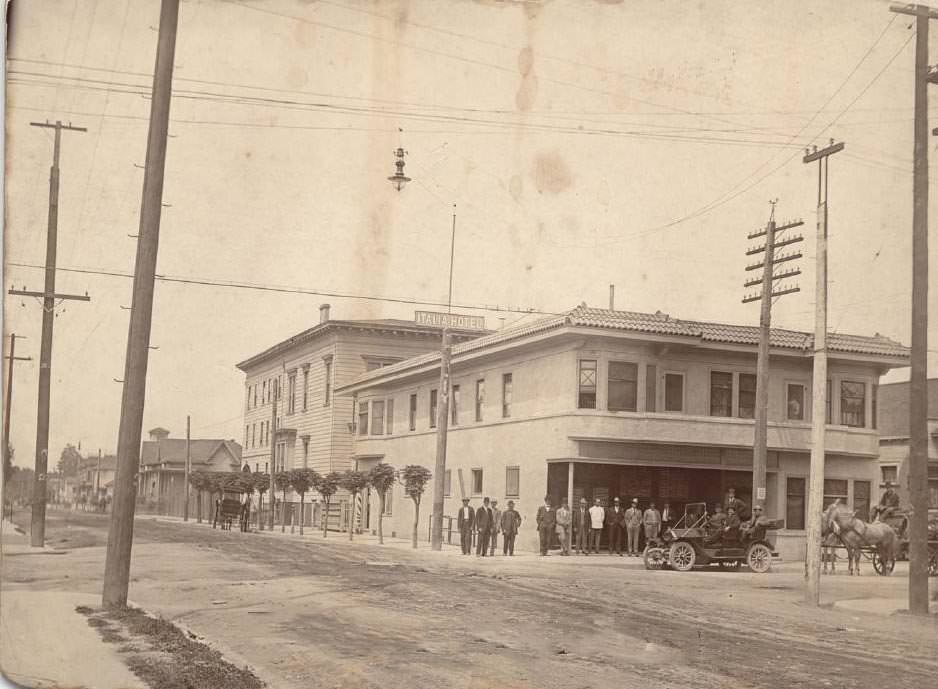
480 398
507 392
362 418
853 403
389 426
674 392
327 383
747 395
377 417
795 402
255 394
433 409
305 387
412 413
455 402
291 393
247 403
721 393
623 386
264 392
586 397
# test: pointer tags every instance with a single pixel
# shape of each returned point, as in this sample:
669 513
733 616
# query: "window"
586 399
264 392
477 482
795 504
253 433
447 483
412 413
506 395
852 403
623 382
362 418
389 428
829 404
889 474
388 501
255 394
455 402
247 404
721 394
512 482
246 429
305 453
305 386
651 388
861 499
291 393
795 403
281 456
874 394
480 398
747 396
377 417
433 409
327 391
835 489
674 392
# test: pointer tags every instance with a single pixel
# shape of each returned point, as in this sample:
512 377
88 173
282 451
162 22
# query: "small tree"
198 481
415 479
354 482
382 477
302 480
328 485
261 484
69 461
282 483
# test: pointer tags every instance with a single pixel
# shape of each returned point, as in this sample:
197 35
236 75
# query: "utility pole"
273 451
918 391
121 534
812 560
185 507
97 476
442 411
37 526
12 358
768 293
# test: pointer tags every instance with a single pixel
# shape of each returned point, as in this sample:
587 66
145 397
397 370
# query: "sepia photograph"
331 327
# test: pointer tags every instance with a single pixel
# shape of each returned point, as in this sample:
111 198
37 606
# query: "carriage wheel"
759 558
933 561
682 556
730 565
654 557
883 567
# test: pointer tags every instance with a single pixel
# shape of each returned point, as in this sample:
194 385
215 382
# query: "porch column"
570 485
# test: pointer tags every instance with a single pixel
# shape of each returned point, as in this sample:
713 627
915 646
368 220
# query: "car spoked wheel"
759 558
682 556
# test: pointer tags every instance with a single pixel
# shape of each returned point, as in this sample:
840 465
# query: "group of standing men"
487 522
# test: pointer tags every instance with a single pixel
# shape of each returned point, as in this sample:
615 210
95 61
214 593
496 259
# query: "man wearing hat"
739 506
465 522
756 526
652 521
581 528
510 523
483 528
889 503
546 522
496 527
615 519
633 524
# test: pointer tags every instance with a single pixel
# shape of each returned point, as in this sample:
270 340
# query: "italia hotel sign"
449 320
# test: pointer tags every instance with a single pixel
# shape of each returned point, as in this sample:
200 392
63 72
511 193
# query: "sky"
583 144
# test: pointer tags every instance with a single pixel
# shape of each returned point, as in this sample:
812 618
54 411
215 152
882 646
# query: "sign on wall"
451 320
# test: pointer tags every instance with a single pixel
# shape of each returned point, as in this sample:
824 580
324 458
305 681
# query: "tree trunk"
325 520
198 507
283 512
351 516
380 518
302 512
260 505
416 522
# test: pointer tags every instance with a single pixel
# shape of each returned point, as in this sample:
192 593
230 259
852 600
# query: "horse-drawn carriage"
229 508
689 543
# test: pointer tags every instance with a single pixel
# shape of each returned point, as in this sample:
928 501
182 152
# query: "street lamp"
399 179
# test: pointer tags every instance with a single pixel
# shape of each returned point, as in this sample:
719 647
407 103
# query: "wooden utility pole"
812 560
120 536
442 411
97 476
37 527
12 358
918 391
768 293
273 452
185 507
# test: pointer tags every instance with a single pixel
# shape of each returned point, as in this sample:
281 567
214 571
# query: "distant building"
596 403
161 481
894 443
95 478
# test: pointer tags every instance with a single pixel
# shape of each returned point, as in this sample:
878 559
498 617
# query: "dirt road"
326 613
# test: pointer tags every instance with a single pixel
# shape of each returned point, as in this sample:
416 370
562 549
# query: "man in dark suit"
615 520
581 528
465 522
546 521
483 528
510 523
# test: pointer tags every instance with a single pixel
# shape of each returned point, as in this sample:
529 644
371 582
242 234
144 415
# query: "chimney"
612 297
158 433
324 313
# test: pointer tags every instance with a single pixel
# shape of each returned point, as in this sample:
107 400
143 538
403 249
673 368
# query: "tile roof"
171 450
658 323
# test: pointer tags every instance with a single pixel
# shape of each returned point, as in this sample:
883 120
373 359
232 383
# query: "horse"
829 545
856 534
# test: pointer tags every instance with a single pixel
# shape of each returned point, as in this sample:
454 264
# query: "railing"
448 529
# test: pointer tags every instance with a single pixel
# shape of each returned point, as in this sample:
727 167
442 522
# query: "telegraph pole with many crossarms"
49 297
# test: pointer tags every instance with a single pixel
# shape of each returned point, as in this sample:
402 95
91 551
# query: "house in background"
894 442
95 478
161 481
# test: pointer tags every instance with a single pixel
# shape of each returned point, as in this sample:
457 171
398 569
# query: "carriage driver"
888 504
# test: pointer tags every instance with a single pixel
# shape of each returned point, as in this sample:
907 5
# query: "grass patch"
164 657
